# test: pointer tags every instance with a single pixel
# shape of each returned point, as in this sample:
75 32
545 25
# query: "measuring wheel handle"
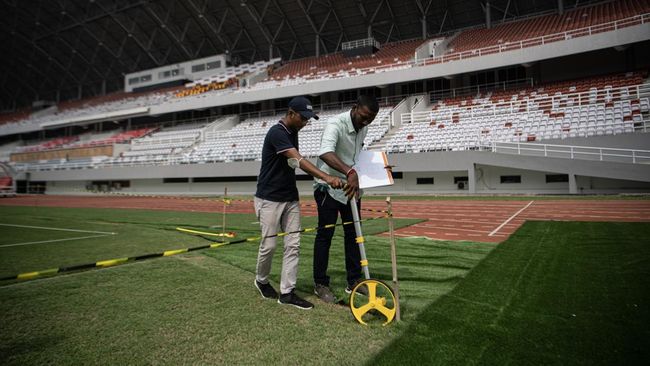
379 303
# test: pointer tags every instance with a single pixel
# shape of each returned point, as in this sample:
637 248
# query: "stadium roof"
86 46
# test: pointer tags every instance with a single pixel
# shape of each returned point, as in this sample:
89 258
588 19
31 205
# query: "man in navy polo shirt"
277 202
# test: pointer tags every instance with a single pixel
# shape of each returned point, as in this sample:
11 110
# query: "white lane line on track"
508 220
54 240
59 229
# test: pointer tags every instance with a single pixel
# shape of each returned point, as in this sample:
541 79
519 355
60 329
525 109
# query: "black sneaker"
362 290
266 290
324 293
292 299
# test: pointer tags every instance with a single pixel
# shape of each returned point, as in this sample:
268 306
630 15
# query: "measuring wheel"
371 301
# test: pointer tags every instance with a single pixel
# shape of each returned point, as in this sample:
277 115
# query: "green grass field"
554 293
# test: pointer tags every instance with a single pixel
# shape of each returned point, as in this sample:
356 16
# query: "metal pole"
360 240
225 202
393 257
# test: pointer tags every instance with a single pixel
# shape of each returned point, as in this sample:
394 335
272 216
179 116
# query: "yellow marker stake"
393 257
203 232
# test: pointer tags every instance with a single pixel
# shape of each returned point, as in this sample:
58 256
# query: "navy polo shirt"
277 181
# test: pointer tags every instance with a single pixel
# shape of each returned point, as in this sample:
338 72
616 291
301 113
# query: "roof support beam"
505 13
393 20
343 34
444 18
317 31
258 19
201 20
163 24
74 50
423 12
129 33
243 30
296 40
47 55
80 23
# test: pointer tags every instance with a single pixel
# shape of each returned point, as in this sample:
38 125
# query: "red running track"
473 220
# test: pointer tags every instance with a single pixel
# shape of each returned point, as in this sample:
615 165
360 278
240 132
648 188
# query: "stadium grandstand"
494 97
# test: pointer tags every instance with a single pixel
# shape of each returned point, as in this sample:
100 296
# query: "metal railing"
608 154
110 163
360 43
481 88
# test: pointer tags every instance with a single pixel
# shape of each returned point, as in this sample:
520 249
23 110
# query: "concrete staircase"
381 144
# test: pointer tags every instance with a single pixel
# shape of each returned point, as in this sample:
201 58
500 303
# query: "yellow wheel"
377 306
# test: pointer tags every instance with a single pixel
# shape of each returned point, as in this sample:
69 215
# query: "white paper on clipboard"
371 168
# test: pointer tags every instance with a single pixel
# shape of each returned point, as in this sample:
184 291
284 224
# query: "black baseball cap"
303 106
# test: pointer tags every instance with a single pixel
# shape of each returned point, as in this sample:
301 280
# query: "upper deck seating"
589 107
391 56
513 32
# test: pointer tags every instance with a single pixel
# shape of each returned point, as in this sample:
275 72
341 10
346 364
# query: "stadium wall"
635 141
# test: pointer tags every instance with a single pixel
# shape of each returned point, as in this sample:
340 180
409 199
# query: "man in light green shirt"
341 138
341 143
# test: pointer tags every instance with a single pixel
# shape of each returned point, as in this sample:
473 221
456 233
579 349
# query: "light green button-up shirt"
340 138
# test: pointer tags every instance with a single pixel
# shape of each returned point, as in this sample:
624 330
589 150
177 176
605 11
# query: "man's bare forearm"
335 162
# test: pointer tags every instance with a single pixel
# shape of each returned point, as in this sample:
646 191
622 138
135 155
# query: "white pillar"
471 178
573 184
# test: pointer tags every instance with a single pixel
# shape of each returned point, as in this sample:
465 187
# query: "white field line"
508 220
59 229
52 241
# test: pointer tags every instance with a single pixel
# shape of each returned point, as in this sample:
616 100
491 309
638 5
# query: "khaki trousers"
277 217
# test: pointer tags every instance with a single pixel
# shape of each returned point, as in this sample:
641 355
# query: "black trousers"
328 212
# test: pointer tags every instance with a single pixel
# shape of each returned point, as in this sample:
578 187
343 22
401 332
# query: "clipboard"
371 168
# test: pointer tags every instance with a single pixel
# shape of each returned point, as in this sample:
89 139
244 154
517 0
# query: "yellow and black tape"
111 262
167 253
